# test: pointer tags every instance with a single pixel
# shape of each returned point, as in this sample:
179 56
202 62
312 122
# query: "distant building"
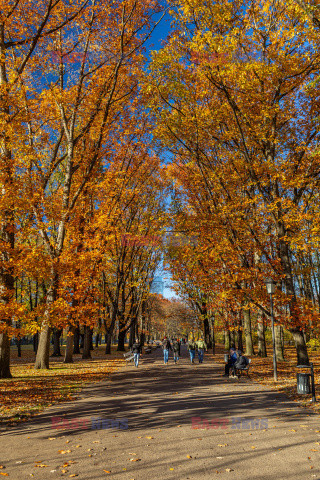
157 286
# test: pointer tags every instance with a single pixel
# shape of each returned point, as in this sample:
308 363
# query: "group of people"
236 361
199 346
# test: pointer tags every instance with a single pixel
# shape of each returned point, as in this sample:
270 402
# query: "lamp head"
271 286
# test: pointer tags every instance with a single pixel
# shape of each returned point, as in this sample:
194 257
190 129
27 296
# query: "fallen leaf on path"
222 445
135 459
4 474
41 465
150 438
253 447
229 470
73 475
189 456
107 471
64 451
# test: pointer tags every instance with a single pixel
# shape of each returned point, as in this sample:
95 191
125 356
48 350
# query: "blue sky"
155 43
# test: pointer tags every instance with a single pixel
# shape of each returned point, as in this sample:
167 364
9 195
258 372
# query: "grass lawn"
30 390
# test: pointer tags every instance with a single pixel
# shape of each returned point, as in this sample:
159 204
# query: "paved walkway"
254 433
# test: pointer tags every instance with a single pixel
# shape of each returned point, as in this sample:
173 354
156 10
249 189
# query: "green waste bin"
303 383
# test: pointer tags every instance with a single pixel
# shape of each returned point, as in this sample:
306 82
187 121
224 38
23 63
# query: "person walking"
136 350
176 350
166 346
192 349
201 347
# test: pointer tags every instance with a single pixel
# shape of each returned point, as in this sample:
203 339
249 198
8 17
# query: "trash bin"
226 358
303 383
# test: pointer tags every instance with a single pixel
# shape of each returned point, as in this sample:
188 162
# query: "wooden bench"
244 369
128 356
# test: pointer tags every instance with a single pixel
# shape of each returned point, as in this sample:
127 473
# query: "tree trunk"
247 331
43 352
122 334
56 342
262 351
301 348
240 339
76 340
232 334
213 344
283 248
109 330
69 345
86 343
108 342
7 223
19 346
132 333
35 342
227 339
5 356
206 331
91 338
42 358
279 343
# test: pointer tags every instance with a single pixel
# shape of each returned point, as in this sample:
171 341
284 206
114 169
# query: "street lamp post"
271 288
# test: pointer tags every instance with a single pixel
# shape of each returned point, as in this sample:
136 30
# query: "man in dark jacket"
241 362
176 350
166 346
231 362
136 350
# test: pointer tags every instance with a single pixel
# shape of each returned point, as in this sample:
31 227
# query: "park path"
261 434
